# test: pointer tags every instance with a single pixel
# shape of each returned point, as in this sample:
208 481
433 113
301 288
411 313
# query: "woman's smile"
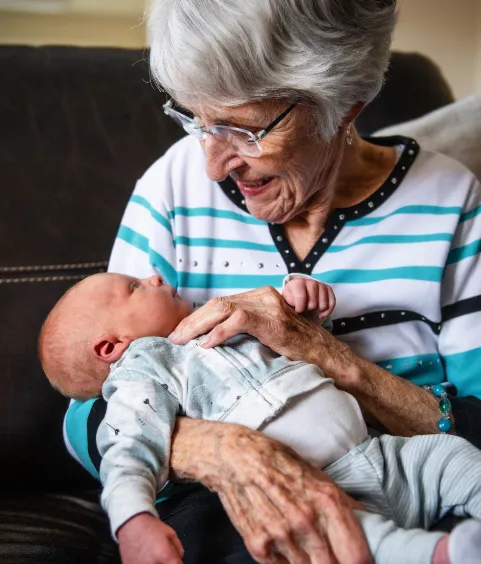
253 188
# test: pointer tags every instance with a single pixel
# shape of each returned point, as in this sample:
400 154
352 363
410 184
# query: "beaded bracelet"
439 390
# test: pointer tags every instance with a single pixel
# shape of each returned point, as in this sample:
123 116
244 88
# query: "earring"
349 134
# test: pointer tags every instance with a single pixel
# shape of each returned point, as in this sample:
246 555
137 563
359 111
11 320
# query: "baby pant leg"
424 478
410 483
390 544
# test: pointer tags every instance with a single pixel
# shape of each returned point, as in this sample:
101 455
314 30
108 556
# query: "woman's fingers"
240 321
202 320
262 303
346 537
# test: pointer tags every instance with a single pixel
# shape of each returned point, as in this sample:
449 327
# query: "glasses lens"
242 141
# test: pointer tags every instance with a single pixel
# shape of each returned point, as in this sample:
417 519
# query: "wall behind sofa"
446 30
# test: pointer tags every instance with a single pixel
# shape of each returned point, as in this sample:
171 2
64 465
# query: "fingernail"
174 336
204 341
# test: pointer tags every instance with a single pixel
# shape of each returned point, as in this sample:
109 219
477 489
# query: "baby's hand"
306 294
145 539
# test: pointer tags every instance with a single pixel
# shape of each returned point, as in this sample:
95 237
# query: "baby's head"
96 320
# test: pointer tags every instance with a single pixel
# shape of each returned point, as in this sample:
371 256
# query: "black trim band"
464 307
345 325
96 416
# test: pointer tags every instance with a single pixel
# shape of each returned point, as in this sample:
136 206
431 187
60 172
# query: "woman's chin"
263 213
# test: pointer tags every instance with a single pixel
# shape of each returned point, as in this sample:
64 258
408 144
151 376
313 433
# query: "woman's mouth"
252 188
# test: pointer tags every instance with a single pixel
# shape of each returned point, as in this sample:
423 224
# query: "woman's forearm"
398 405
200 450
401 407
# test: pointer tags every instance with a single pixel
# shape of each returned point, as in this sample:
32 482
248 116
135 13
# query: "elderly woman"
274 179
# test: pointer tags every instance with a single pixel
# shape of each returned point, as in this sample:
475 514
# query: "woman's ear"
352 114
109 348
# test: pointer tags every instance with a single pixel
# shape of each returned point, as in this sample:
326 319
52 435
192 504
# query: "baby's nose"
155 280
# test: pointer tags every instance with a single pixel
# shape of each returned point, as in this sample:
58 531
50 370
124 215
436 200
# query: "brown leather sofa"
77 128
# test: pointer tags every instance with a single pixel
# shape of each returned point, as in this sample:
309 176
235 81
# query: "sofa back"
78 127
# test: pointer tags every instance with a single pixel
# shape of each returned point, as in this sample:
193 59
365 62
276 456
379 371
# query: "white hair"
328 54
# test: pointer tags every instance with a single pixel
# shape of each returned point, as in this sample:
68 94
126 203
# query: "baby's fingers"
177 545
295 294
327 300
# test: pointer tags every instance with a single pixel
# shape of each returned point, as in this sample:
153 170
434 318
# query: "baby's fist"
145 539
307 294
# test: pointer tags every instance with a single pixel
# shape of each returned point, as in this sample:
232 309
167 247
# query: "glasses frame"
192 127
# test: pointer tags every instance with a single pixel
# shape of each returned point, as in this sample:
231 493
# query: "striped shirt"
404 263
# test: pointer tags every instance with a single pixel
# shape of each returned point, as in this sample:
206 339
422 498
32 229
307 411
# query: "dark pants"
206 533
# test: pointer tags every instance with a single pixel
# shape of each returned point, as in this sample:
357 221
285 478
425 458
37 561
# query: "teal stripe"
392 239
228 281
463 369
470 214
142 243
426 273
461 253
76 430
155 214
422 370
224 244
418 210
213 212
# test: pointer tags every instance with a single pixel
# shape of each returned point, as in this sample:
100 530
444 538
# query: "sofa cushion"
55 529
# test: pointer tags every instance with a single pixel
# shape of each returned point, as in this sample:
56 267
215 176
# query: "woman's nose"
155 280
220 158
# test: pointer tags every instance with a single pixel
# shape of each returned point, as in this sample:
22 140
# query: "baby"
108 336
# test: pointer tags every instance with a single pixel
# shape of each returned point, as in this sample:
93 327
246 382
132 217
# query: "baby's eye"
134 286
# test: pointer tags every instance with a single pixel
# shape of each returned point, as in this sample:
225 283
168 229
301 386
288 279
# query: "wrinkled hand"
286 510
307 294
262 313
265 314
145 539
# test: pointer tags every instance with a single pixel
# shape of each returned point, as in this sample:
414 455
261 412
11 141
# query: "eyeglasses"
242 141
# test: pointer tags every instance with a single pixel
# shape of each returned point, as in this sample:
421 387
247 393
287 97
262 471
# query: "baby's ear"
109 348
